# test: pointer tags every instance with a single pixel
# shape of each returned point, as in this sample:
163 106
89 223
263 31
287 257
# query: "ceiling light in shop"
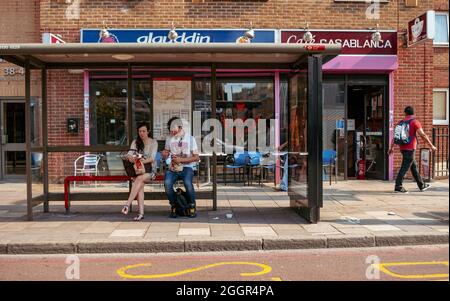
75 71
123 57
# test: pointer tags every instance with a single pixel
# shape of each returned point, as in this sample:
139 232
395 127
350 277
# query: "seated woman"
147 147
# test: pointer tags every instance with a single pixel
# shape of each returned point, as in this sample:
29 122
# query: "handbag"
139 168
129 168
127 165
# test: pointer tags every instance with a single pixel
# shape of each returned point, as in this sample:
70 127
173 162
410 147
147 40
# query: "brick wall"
65 100
220 14
19 23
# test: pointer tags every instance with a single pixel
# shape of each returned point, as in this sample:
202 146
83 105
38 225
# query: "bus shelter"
57 70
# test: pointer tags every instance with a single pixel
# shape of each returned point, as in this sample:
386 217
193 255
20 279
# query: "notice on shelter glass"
171 97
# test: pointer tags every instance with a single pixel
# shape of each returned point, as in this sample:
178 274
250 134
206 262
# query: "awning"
89 55
361 63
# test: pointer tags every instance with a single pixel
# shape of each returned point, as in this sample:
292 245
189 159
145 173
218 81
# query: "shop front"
358 101
125 83
241 93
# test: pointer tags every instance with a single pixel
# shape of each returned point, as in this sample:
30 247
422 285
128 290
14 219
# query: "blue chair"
268 164
239 161
36 166
329 160
254 163
158 159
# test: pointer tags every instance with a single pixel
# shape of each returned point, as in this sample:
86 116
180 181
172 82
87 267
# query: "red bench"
68 179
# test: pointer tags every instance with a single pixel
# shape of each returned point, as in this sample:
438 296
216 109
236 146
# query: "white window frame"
441 44
442 122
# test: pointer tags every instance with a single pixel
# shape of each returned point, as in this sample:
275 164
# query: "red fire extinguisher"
361 169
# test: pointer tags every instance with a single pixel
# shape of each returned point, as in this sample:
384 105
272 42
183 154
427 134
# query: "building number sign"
11 71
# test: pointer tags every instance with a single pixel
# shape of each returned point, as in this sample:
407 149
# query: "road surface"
367 264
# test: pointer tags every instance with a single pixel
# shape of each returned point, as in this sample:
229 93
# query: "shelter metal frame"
46 57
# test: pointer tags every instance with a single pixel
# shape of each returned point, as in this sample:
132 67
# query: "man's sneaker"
173 212
192 212
425 187
401 190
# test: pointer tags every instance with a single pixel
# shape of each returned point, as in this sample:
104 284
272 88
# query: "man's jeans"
407 163
171 177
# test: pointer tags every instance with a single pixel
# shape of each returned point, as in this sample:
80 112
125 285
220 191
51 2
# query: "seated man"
182 152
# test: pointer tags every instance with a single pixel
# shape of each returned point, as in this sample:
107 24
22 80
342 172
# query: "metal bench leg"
224 175
66 196
331 172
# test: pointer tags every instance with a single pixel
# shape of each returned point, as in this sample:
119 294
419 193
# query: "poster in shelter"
171 97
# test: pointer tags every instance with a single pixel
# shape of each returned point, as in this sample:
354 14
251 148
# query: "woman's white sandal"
125 209
139 217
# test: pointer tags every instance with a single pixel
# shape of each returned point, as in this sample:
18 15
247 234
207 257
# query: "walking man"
405 136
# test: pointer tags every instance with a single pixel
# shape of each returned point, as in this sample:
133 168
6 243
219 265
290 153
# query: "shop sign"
425 163
198 36
421 28
350 124
340 124
353 42
49 38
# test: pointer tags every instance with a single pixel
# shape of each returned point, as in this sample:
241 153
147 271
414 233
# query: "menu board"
171 97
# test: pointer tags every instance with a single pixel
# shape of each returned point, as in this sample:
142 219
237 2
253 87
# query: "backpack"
401 132
182 202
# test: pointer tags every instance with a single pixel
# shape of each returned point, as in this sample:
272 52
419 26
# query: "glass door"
366 106
334 129
13 158
295 162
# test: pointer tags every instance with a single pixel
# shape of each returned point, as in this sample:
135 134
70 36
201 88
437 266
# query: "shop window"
441 37
142 102
108 111
237 98
440 106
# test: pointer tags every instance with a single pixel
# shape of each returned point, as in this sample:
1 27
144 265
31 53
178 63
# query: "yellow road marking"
383 268
276 279
123 271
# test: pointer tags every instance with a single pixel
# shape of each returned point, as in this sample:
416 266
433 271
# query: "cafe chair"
254 164
268 164
90 166
329 162
237 161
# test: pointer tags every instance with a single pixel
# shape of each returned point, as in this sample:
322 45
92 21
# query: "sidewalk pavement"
355 214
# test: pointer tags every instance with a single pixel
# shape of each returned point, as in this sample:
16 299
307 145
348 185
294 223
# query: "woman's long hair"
139 142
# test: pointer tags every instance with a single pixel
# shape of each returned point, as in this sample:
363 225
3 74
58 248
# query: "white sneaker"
425 187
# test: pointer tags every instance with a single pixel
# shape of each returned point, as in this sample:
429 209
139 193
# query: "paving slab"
128 233
386 227
194 232
258 231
